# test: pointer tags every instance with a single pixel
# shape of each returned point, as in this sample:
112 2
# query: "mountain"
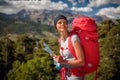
27 21
44 16
47 16
100 18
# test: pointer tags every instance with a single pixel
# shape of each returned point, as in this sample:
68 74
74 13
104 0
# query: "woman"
70 64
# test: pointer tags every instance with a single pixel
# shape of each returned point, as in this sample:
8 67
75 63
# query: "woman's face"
62 25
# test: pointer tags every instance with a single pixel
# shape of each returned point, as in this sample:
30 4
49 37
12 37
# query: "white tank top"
64 51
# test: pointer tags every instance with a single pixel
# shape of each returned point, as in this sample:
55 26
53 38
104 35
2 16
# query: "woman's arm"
79 54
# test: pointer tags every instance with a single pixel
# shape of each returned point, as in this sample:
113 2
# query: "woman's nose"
62 23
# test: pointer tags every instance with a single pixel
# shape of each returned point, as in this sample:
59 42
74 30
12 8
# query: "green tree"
7 54
109 49
35 69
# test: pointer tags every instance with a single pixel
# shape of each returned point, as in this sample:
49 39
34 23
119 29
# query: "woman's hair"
59 17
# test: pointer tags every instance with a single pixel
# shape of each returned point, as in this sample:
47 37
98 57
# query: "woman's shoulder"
75 36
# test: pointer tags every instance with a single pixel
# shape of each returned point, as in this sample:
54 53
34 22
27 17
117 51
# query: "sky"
109 8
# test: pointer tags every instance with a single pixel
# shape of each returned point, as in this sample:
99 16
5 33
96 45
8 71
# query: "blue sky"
109 8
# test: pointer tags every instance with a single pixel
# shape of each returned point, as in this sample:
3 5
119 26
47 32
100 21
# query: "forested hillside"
109 38
22 56
21 26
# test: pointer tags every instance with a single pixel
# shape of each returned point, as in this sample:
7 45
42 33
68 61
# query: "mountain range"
46 16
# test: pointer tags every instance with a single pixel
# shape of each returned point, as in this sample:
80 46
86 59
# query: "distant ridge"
47 16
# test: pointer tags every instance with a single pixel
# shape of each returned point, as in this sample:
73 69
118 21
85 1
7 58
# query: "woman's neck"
64 35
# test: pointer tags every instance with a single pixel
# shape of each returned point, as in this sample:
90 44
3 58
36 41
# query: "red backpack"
85 28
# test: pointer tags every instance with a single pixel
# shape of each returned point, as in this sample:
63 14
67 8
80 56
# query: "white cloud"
110 12
97 3
115 1
83 9
81 1
74 2
15 6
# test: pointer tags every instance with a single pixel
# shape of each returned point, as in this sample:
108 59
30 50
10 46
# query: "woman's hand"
58 59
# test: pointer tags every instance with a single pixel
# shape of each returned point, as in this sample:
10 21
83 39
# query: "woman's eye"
59 22
62 22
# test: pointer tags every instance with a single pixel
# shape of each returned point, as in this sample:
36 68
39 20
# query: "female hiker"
70 65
